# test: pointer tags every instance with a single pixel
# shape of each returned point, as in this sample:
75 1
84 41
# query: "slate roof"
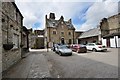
50 23
90 33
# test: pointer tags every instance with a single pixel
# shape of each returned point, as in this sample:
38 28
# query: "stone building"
31 38
90 36
36 39
12 22
77 35
24 41
58 31
39 41
110 31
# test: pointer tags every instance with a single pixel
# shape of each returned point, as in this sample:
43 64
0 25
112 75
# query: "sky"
85 15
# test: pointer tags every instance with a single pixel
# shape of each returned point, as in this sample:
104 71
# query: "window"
61 22
62 26
62 33
53 24
54 32
112 37
16 40
69 33
91 44
119 36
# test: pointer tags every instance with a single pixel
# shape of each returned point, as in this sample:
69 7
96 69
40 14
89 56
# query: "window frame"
69 33
16 43
54 32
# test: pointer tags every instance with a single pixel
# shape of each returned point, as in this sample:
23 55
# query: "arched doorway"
62 41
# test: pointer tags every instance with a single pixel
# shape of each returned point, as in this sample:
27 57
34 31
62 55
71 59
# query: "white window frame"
15 41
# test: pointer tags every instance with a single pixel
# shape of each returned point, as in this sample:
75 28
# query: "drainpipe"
73 36
115 42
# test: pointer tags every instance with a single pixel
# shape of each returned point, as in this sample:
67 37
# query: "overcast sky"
85 15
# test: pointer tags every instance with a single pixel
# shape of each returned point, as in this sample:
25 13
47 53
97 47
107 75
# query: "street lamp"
47 44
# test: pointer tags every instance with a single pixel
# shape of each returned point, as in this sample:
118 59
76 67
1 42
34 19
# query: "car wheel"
94 50
60 53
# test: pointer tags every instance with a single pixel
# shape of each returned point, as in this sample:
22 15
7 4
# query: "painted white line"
79 53
39 50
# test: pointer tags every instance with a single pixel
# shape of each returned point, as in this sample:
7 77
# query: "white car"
96 47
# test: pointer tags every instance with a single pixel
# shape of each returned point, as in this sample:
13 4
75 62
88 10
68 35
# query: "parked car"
96 47
54 47
63 50
78 48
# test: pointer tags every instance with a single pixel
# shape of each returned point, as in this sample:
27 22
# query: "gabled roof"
90 33
50 23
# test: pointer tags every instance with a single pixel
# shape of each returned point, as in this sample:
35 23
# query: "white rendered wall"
104 42
118 41
112 42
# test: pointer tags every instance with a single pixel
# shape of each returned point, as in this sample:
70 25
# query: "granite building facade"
58 31
10 33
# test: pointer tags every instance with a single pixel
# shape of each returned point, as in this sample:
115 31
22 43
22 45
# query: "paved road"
88 65
33 66
40 64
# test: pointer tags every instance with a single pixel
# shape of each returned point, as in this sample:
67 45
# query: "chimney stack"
52 16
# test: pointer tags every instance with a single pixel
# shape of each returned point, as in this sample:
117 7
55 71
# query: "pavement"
33 65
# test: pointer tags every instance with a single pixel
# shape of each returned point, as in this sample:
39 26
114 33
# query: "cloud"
59 0
98 11
35 11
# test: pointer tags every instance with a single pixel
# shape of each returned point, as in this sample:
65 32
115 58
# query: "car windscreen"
82 45
98 44
63 47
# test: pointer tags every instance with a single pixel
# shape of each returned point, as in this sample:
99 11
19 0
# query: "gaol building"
58 31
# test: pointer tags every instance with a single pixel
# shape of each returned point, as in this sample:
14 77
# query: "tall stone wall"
0 40
11 27
113 23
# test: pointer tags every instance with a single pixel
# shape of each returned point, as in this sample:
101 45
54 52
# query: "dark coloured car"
78 48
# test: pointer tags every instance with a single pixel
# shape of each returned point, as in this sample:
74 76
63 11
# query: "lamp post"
47 44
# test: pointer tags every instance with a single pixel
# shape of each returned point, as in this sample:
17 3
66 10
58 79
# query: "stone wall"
0 40
56 38
110 25
11 33
113 24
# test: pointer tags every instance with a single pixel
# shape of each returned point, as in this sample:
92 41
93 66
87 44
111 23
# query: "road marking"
79 53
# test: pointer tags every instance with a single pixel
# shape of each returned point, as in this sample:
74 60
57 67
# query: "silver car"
63 50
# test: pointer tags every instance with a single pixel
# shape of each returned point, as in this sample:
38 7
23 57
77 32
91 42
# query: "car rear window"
98 44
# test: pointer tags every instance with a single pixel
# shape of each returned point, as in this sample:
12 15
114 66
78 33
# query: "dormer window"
53 24
62 33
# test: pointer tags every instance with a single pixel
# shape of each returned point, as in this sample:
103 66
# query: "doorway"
62 41
108 42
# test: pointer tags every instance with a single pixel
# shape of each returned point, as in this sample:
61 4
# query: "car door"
73 48
76 47
87 46
57 48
